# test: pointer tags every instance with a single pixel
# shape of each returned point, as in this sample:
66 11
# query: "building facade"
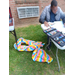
13 4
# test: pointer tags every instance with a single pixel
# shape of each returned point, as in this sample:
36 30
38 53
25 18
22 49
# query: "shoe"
48 49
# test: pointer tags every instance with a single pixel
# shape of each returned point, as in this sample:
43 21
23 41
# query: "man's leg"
49 42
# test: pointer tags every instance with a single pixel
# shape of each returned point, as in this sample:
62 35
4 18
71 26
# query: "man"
52 13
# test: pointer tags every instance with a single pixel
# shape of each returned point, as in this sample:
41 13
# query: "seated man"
51 13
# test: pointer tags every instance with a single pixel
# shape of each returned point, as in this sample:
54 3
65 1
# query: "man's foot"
48 49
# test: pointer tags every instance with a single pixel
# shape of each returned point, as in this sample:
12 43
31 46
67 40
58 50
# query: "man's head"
54 6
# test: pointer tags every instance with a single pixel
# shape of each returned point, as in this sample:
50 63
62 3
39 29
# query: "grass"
21 63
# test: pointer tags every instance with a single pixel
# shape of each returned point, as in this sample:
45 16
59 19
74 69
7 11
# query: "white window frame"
25 16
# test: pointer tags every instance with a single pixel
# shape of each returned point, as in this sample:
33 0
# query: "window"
26 12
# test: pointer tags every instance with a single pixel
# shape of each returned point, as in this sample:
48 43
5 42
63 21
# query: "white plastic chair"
11 25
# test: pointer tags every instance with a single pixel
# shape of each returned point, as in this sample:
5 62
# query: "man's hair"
54 3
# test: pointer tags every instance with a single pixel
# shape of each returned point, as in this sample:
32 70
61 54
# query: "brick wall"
28 21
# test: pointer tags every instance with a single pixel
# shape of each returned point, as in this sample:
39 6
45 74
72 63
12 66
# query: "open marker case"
56 35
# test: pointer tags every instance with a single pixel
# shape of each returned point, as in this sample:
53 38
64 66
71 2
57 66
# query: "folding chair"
11 25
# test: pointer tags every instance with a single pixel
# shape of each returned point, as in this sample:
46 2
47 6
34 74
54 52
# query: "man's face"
54 9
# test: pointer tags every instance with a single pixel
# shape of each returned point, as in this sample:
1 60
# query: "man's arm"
42 17
62 16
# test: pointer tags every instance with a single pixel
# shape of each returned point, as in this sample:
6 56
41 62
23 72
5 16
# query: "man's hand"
46 24
64 24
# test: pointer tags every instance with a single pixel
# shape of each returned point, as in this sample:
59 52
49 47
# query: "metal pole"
48 43
54 55
15 36
14 33
57 59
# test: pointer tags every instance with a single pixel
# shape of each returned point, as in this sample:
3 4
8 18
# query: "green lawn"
21 63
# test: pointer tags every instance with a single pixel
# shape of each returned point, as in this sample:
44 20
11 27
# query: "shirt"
52 16
45 15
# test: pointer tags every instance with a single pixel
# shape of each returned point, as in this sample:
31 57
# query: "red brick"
27 21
